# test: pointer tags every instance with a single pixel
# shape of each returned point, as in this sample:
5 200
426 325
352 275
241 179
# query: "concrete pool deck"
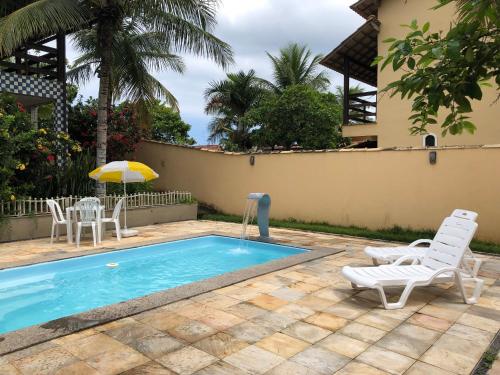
303 319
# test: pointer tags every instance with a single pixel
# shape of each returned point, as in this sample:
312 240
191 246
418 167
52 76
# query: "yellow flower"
42 131
12 197
39 146
76 148
21 166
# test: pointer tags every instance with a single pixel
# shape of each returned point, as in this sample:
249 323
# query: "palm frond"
218 129
81 73
296 65
40 19
187 37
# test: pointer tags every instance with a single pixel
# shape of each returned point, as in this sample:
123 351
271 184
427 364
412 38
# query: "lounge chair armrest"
414 258
454 270
418 242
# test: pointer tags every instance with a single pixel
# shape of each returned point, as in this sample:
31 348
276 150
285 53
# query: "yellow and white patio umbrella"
124 172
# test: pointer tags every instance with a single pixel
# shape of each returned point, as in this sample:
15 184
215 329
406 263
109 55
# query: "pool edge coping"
38 334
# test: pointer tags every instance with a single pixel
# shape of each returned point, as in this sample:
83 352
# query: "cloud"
252 28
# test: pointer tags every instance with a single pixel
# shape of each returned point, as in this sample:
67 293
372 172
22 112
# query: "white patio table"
71 219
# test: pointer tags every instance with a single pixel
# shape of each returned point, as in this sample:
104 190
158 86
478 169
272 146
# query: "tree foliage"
229 100
299 115
29 157
167 126
124 131
185 26
447 70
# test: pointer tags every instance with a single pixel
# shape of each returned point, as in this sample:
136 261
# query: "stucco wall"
393 113
376 189
25 228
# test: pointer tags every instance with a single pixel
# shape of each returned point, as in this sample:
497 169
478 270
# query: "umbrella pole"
125 193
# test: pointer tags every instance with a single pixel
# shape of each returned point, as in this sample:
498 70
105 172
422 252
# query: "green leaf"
453 48
421 48
396 64
437 52
377 60
474 90
413 25
414 34
389 40
469 55
468 126
425 61
463 104
426 26
411 63
387 61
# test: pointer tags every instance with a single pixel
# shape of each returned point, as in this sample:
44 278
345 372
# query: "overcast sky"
253 27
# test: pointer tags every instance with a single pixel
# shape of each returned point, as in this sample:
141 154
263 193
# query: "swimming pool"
46 291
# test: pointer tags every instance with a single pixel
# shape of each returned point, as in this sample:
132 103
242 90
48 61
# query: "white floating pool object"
112 265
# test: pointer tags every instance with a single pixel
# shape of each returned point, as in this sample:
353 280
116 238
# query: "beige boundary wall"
369 188
39 226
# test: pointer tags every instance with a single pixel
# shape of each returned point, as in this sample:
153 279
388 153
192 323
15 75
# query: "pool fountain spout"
258 204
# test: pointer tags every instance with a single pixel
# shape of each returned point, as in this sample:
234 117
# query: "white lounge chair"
115 218
57 218
441 263
381 255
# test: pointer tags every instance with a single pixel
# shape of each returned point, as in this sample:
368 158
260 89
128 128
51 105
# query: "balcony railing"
362 109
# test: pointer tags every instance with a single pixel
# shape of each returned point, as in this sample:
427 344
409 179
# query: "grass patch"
397 234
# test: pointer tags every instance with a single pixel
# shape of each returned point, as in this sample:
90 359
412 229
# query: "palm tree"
229 100
134 53
296 65
339 91
186 26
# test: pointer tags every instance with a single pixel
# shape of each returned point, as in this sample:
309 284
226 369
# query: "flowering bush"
29 157
124 132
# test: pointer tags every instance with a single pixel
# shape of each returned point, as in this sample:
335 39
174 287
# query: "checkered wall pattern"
28 85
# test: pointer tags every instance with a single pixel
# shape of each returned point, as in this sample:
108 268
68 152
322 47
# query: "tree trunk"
105 37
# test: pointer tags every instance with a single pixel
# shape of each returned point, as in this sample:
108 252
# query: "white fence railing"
38 206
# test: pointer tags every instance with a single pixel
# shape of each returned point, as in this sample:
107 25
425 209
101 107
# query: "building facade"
377 120
35 73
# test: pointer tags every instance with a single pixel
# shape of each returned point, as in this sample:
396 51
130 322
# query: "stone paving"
303 320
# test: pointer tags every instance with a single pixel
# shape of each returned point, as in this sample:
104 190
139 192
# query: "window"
430 140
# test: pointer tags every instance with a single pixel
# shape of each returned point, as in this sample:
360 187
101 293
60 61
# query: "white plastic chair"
86 211
381 255
115 218
441 263
91 199
57 218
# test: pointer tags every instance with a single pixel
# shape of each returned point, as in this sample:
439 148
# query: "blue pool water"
47 291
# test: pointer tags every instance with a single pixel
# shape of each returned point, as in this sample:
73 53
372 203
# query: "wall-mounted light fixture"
252 160
433 157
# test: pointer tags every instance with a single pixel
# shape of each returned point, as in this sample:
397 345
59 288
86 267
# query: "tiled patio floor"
301 320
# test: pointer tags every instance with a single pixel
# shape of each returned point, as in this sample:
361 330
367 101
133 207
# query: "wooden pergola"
353 58
35 73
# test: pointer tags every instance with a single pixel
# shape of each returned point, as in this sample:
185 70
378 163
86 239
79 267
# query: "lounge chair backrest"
450 243
465 214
